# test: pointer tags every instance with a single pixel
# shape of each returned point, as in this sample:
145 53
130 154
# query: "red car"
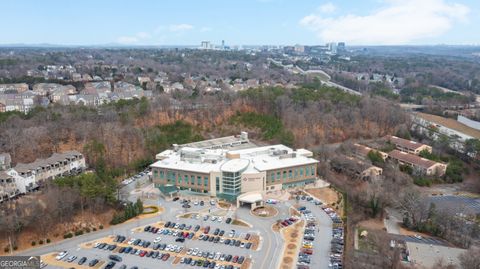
307 251
165 257
142 253
185 234
235 259
206 230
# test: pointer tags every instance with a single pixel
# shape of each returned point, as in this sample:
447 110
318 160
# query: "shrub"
68 235
77 233
87 230
94 229
423 182
15 248
48 241
33 243
6 249
40 242
100 227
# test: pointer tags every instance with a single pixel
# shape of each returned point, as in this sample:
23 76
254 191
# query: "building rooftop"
412 145
55 158
410 158
230 142
251 159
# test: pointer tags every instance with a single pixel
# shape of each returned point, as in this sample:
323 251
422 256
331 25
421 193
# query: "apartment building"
408 146
229 166
30 176
420 165
8 188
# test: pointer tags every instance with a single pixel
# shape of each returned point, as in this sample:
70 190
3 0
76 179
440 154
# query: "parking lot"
320 226
253 245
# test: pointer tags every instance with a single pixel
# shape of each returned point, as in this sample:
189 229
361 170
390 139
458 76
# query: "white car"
195 203
131 241
214 218
71 258
220 219
158 239
61 255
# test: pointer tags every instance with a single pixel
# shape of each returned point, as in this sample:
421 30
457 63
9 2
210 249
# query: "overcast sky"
276 22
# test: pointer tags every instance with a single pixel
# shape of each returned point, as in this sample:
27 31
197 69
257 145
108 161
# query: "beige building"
420 165
408 146
229 166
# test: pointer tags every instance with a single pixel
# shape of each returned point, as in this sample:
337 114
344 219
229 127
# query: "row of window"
290 174
177 178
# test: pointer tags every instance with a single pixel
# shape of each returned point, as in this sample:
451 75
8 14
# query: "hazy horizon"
250 22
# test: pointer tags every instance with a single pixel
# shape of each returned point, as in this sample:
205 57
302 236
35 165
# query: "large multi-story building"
229 166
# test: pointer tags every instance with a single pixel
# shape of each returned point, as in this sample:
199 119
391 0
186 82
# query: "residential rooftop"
412 145
411 158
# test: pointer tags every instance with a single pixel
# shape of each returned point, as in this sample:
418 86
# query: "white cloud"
396 22
180 27
327 8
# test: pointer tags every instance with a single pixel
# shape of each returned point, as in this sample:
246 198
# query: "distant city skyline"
240 22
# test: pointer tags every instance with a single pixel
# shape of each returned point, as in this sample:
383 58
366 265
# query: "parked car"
115 258
82 260
61 255
93 262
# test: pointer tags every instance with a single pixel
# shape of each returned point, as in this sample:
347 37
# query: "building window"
284 174
186 179
307 171
179 179
205 181
290 174
217 183
301 172
296 172
199 180
192 180
313 170
272 177
161 174
278 175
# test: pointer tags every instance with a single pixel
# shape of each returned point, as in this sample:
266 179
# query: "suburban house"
22 102
408 146
13 88
420 165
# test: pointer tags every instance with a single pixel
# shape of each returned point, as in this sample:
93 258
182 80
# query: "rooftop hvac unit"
286 156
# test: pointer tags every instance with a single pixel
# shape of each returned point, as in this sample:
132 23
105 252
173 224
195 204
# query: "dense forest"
134 131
